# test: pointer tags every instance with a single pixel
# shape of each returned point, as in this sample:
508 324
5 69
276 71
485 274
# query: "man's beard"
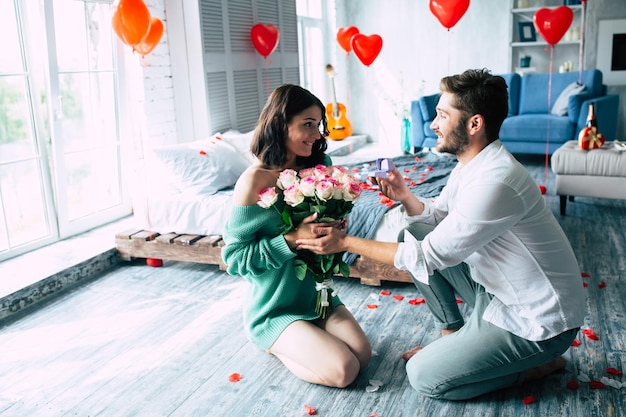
456 141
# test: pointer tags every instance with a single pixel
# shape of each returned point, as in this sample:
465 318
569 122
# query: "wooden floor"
142 341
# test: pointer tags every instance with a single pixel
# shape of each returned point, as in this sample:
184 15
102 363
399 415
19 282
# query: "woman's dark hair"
270 135
479 92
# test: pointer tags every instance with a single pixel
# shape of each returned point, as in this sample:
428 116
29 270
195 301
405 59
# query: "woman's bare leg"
329 352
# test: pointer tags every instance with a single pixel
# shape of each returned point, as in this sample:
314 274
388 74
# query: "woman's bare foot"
409 353
545 369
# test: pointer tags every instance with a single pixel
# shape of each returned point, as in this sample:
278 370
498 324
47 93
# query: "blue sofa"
530 124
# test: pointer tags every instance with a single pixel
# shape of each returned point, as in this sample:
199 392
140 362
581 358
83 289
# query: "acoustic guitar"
338 124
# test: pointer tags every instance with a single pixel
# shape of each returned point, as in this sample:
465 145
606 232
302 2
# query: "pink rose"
293 195
325 189
351 191
268 197
307 186
322 171
287 178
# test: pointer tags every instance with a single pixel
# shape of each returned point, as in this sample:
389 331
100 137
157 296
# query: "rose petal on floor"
596 385
529 400
234 377
582 377
573 385
309 410
613 371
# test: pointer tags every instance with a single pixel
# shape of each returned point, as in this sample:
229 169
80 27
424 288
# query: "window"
60 168
314 55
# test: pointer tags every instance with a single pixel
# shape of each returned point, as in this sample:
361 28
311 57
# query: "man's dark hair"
270 135
480 92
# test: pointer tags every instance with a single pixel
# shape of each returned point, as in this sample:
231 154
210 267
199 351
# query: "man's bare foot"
410 353
545 369
448 331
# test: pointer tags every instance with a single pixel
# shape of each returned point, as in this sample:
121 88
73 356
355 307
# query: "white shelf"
566 50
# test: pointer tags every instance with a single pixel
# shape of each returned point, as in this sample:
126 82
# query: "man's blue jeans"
480 357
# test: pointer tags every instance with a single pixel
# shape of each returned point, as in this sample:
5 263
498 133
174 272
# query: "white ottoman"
596 173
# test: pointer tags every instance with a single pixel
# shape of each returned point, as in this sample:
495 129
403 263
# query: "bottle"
591 117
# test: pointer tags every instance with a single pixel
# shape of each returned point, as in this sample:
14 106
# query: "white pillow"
241 142
204 166
560 105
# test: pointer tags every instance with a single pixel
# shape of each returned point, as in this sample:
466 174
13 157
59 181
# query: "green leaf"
300 269
344 269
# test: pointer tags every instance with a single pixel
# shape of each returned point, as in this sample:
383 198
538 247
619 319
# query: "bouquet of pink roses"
329 191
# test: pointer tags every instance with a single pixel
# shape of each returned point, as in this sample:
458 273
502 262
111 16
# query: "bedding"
189 207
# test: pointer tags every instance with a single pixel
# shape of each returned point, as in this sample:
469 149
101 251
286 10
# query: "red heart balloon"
264 38
344 36
449 12
366 48
152 39
131 21
553 23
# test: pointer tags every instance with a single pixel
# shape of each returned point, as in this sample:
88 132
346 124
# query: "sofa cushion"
535 128
513 81
535 88
559 108
428 106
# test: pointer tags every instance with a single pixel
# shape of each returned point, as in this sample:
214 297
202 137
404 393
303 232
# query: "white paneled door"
60 163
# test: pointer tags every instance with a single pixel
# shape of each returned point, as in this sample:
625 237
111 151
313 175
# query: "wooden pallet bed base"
135 243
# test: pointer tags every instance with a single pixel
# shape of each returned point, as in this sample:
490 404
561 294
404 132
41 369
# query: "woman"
280 312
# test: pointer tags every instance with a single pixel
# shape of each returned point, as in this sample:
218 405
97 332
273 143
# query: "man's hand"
394 186
330 240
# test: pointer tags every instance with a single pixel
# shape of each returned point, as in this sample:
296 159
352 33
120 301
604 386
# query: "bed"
183 192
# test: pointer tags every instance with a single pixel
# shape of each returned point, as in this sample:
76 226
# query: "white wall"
417 52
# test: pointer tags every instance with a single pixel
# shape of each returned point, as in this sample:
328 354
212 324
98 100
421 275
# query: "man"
490 238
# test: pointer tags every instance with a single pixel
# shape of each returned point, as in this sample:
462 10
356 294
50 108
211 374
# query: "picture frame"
611 50
527 32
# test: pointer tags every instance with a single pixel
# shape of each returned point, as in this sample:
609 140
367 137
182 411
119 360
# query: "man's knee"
418 230
423 377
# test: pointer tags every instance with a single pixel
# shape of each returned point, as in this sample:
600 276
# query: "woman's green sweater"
257 251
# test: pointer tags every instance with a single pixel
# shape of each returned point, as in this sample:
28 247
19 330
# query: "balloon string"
582 44
267 79
545 175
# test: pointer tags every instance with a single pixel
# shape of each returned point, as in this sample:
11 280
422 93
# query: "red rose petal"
602 284
417 159
584 275
202 153
415 301
596 385
374 415
576 343
529 400
407 178
430 168
385 292
234 377
412 184
309 410
407 170
372 306
573 385
459 301
399 297
542 189
590 334
585 284
613 371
